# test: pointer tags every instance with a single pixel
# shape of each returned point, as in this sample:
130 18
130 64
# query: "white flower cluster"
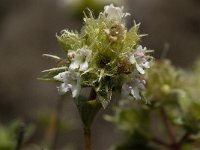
132 66
80 59
138 58
71 79
115 13
133 86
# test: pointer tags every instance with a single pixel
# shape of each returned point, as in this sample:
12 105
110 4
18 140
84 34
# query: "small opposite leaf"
87 109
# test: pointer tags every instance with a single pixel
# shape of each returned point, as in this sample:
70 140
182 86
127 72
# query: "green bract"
104 55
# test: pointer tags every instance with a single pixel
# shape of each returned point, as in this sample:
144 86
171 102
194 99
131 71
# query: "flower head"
70 81
104 56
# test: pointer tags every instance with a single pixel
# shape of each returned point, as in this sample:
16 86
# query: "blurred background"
28 29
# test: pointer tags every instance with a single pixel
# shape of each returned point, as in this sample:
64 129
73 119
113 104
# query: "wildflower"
70 81
101 56
115 13
138 58
133 87
80 59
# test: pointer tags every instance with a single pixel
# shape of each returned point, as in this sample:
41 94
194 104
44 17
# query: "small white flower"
140 52
138 58
145 64
71 81
80 59
133 87
115 13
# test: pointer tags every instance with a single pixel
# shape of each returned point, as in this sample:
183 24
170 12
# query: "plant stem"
169 130
87 138
160 142
20 136
87 130
58 112
184 138
53 131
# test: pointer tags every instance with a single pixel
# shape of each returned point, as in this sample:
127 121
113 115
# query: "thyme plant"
171 121
104 56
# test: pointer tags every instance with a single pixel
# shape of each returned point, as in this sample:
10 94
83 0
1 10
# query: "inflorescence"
105 56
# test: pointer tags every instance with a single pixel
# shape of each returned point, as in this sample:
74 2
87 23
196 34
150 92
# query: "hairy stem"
20 137
87 130
160 142
169 130
58 112
53 131
87 138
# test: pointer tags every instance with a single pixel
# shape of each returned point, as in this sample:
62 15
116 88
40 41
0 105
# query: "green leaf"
87 109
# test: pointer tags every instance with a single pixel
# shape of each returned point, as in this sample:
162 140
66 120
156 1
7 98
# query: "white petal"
146 64
139 68
74 65
140 48
140 53
114 12
64 88
76 90
84 66
132 59
81 58
71 81
61 76
127 14
136 94
76 86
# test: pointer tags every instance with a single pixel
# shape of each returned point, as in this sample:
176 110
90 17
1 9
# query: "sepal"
88 109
